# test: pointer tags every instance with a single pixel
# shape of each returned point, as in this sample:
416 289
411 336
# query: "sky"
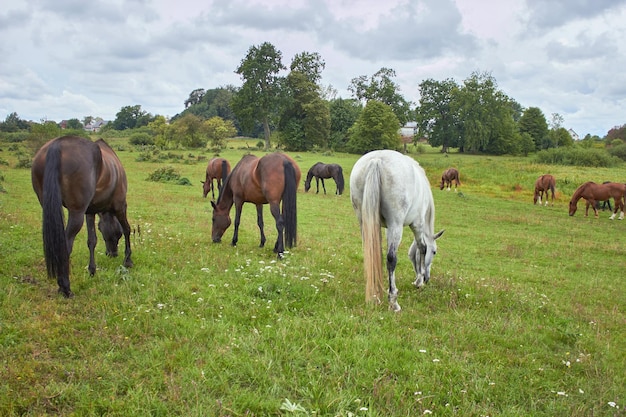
66 59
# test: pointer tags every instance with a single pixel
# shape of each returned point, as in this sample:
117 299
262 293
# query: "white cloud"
69 59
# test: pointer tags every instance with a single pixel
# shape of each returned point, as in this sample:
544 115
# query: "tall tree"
376 128
131 117
343 114
310 64
305 119
534 123
259 97
195 97
436 118
381 87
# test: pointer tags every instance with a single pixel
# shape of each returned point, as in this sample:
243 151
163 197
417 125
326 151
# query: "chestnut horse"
593 193
544 184
217 169
449 175
272 179
321 171
87 178
391 190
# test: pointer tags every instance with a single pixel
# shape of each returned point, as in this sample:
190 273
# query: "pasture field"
524 315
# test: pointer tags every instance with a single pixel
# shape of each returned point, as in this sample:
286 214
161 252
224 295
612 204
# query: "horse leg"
394 237
92 239
75 221
279 247
317 184
259 222
323 186
238 209
123 219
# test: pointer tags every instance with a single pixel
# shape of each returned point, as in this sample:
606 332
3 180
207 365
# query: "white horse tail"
372 234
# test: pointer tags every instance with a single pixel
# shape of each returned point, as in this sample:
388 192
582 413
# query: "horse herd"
387 190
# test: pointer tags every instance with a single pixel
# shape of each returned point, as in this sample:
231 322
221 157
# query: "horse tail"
54 240
339 179
289 205
372 234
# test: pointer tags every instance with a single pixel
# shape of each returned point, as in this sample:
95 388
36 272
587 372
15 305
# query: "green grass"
524 314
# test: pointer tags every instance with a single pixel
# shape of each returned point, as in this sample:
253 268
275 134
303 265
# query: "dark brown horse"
544 184
217 169
449 175
321 171
87 178
594 193
271 180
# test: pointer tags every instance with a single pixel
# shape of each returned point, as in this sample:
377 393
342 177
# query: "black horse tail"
54 240
289 205
339 180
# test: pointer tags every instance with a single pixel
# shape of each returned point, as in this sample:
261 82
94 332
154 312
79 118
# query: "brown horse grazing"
321 171
449 175
87 178
544 184
594 193
217 169
270 179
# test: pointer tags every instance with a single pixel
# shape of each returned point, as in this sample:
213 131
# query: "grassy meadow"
524 315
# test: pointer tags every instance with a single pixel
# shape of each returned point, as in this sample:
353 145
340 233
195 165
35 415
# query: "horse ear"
202 181
438 235
213 204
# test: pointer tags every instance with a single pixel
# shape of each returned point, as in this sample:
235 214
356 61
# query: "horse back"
80 165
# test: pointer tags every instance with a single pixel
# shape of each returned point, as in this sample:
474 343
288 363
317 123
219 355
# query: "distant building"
573 134
96 125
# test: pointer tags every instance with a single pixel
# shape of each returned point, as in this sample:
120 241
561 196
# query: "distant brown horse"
217 169
594 193
271 179
449 175
321 171
544 184
87 178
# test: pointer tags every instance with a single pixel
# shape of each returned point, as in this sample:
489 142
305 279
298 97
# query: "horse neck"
225 200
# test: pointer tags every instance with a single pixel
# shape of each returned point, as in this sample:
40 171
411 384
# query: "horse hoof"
66 293
280 255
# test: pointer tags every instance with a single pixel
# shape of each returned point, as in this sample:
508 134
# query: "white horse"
389 189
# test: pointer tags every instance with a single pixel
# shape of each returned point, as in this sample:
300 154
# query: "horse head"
572 207
422 255
220 221
111 230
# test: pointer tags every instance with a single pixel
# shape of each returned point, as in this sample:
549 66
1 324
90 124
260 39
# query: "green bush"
618 151
141 139
578 157
168 174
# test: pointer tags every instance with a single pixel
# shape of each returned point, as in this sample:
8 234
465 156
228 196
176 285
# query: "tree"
343 114
376 128
189 131
161 131
259 97
310 65
218 130
534 123
195 97
13 123
436 118
305 120
381 87
131 117
74 124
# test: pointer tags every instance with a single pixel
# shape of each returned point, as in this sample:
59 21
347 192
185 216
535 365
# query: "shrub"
168 174
618 150
578 157
141 139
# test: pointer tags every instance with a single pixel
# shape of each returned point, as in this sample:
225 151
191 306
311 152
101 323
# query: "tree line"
297 113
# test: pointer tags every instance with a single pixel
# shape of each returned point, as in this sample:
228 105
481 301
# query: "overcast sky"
64 59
